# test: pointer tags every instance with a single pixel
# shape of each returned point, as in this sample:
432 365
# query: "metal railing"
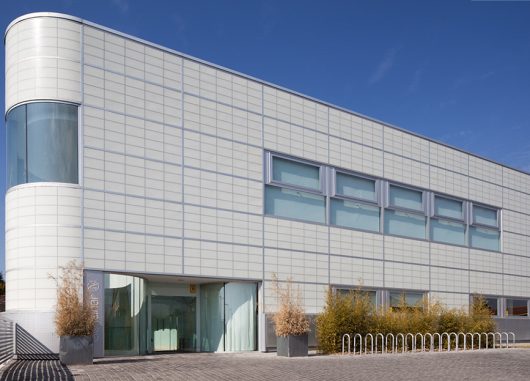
7 346
425 342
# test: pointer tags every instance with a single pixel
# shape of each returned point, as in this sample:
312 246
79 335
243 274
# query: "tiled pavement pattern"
513 364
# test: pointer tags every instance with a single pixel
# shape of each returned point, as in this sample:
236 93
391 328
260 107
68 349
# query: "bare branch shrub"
289 318
73 316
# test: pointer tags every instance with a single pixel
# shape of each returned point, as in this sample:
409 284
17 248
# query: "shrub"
290 318
353 313
73 316
343 313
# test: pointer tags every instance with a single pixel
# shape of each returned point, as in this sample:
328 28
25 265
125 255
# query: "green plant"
343 313
289 318
353 313
73 316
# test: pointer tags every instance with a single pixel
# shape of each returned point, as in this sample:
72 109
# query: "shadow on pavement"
45 370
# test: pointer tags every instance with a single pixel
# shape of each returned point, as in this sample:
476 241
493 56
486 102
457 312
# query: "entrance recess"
173 323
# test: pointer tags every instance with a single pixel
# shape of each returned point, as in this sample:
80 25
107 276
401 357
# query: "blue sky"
456 71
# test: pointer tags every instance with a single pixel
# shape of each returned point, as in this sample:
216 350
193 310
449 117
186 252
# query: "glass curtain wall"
228 317
42 143
125 315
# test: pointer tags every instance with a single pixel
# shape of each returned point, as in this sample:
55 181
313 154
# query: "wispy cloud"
122 5
467 80
414 84
384 66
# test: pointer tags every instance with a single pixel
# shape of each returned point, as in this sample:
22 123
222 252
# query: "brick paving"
512 364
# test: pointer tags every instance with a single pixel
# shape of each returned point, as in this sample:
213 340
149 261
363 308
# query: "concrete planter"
292 346
76 350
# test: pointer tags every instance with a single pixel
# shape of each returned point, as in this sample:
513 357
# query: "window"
492 305
42 143
405 215
406 300
307 191
370 294
354 204
516 307
295 191
447 224
484 232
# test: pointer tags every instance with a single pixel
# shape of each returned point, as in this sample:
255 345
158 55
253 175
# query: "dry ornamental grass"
74 316
290 318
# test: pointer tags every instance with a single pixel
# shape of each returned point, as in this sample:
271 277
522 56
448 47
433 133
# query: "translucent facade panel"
487 239
354 215
445 207
295 173
16 146
516 307
399 299
404 224
484 216
289 203
52 142
448 232
356 187
405 198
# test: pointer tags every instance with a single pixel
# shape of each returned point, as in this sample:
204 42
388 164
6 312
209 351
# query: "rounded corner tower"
43 198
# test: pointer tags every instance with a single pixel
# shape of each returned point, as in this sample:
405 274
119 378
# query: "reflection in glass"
173 323
124 314
516 307
42 143
445 207
404 224
407 300
295 173
448 232
52 142
484 238
354 215
484 216
491 304
283 202
356 187
16 146
405 198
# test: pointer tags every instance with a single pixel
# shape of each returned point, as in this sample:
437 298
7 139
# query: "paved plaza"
512 364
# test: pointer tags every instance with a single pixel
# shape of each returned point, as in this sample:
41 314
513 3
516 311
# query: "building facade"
183 188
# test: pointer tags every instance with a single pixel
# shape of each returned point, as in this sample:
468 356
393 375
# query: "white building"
183 187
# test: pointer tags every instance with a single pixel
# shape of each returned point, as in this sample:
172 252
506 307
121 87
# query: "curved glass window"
42 143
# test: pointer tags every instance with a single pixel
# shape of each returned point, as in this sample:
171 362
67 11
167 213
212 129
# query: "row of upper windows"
396 300
317 193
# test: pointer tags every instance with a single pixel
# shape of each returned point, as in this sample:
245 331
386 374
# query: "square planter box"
292 346
76 350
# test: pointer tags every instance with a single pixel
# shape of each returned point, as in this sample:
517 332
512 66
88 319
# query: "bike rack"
499 340
393 341
358 335
371 344
403 342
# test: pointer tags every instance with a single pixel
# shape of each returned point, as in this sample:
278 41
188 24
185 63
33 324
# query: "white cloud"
384 66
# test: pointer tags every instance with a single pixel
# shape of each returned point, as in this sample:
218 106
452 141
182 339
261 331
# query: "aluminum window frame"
417 212
402 292
378 292
436 217
270 175
473 224
505 308
498 298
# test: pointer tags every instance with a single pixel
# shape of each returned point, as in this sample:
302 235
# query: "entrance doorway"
173 323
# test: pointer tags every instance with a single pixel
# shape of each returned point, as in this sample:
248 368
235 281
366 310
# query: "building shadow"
29 348
45 370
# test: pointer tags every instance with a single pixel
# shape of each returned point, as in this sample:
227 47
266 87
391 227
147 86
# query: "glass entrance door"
173 325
